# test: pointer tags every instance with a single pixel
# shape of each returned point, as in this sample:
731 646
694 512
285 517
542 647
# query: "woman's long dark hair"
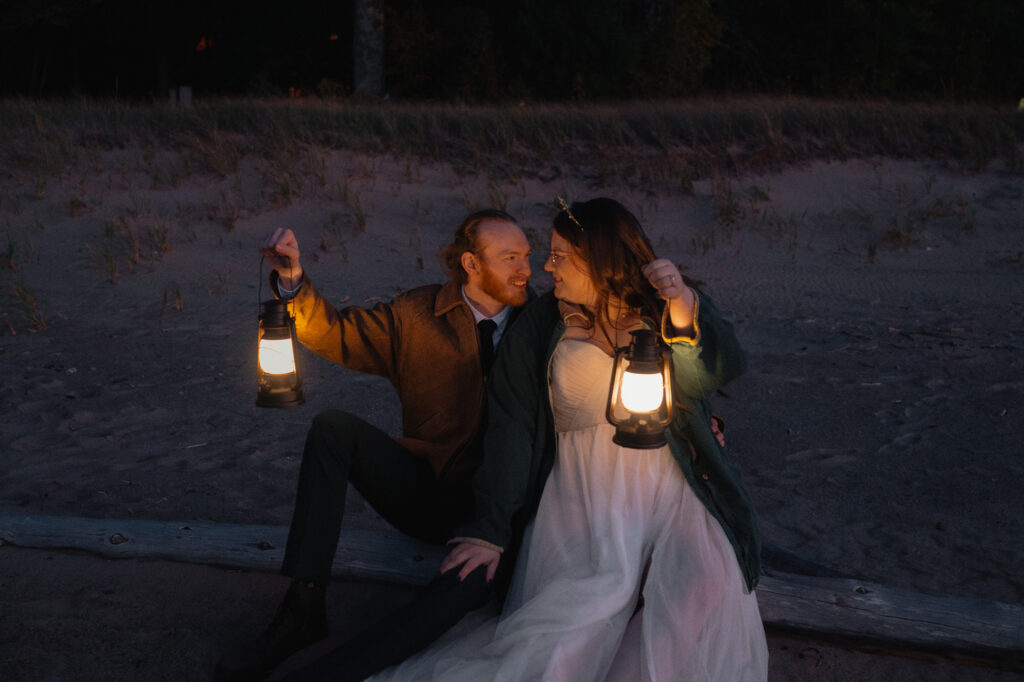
615 248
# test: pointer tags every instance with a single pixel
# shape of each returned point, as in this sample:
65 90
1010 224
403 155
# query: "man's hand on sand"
281 250
471 556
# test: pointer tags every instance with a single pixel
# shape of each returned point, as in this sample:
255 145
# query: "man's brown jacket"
425 343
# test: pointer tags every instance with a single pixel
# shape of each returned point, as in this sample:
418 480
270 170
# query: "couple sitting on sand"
611 563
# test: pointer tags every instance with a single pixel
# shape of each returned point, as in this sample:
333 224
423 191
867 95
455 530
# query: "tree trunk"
368 49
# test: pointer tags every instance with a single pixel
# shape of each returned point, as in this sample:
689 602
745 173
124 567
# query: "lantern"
279 382
640 400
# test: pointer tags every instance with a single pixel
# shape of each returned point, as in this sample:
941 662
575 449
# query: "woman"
636 564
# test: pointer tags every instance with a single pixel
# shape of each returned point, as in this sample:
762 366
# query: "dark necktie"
485 328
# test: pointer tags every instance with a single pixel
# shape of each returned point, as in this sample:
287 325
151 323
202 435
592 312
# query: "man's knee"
335 427
332 436
336 421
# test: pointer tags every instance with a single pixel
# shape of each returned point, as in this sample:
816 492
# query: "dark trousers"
341 449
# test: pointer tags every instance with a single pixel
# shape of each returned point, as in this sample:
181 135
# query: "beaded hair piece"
565 207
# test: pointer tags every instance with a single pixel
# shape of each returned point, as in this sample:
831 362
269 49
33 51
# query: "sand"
877 428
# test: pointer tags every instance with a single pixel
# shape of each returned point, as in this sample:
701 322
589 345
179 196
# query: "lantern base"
289 397
640 441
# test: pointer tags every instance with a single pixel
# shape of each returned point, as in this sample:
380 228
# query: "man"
429 344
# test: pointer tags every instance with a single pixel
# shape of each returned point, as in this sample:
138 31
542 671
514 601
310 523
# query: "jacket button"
704 476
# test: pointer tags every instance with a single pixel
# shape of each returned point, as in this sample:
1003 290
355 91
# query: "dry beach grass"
871 256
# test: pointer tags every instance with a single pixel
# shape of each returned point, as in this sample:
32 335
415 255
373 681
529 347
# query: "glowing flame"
642 392
276 356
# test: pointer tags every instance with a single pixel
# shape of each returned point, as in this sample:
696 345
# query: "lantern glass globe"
276 356
642 392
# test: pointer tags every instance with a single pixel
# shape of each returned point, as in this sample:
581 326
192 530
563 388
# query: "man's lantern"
280 384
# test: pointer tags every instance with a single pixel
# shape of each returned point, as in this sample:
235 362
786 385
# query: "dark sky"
132 48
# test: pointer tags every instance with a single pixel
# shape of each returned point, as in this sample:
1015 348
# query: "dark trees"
504 49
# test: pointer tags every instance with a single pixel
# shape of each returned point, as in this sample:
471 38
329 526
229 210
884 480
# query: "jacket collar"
448 298
573 315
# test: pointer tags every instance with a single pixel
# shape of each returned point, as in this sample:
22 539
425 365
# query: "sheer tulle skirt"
623 576
614 525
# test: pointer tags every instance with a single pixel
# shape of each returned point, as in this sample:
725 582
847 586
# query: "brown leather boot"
300 621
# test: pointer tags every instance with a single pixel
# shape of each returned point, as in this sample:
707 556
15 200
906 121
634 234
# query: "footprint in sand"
826 456
38 442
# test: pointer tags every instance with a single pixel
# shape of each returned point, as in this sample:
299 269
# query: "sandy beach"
878 428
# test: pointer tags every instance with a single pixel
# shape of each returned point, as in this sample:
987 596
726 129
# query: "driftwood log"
386 556
823 605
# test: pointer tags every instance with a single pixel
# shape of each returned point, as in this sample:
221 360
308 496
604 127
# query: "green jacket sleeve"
711 360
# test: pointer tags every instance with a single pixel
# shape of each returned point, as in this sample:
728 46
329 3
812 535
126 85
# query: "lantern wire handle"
259 288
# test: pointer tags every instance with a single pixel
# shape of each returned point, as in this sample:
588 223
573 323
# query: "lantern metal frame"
645 354
278 390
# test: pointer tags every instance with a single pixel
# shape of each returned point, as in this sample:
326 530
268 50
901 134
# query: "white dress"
614 525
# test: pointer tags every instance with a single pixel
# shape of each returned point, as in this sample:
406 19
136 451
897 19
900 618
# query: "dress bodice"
581 375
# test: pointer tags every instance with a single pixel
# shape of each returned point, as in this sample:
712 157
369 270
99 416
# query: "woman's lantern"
279 382
640 400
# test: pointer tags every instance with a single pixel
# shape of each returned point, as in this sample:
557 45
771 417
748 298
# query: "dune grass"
637 143
658 147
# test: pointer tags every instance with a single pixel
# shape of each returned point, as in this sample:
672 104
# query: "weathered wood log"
836 608
383 555
895 620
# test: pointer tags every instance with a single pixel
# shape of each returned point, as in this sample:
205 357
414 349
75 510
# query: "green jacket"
520 442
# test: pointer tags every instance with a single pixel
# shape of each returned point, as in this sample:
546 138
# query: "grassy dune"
53 152
655 143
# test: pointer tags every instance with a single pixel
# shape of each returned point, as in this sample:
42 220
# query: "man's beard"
500 291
